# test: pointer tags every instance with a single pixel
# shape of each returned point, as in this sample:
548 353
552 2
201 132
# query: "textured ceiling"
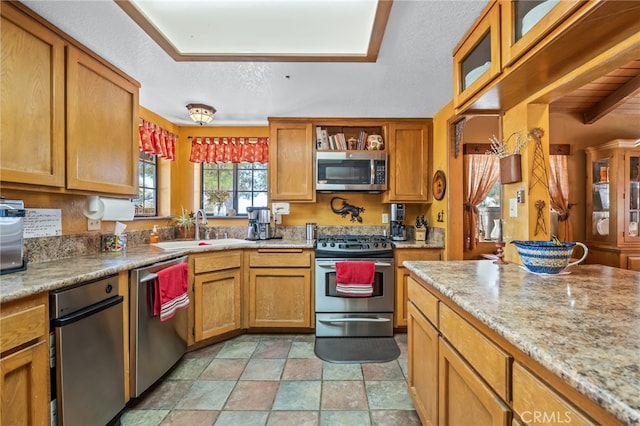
412 77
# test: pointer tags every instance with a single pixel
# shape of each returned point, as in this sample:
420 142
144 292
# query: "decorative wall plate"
439 185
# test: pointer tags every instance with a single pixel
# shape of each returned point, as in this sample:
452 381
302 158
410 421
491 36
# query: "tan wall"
452 197
179 182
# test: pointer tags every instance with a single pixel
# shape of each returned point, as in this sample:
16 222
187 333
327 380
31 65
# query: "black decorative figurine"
347 209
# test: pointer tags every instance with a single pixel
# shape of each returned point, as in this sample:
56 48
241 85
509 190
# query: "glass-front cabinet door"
526 22
600 198
476 59
632 197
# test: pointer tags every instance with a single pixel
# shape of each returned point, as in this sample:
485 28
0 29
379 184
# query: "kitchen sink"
202 244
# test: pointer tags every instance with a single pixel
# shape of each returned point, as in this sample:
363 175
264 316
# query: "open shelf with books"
349 138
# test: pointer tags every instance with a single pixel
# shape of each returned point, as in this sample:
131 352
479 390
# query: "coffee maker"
398 230
259 221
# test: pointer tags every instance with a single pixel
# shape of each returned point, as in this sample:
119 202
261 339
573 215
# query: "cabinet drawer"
426 302
23 322
491 362
217 261
293 258
416 254
532 397
633 263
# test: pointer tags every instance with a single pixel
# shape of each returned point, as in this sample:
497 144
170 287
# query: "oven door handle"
333 265
334 320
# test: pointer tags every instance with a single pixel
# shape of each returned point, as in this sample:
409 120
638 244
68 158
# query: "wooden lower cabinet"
280 288
217 293
422 343
536 403
402 274
24 362
464 398
481 379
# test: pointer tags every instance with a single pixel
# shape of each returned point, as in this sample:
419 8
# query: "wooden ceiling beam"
611 102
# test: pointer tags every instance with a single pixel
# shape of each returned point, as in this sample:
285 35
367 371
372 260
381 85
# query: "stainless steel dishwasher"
88 348
154 346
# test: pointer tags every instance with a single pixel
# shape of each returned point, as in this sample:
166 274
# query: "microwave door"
346 175
345 172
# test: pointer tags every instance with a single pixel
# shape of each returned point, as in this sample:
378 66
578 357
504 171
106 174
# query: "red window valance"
229 150
156 140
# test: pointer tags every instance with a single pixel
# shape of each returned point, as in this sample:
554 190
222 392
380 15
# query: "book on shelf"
337 142
322 140
362 140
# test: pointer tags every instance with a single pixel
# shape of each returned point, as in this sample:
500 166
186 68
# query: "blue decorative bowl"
546 257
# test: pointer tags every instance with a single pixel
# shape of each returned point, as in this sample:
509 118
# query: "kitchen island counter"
55 274
582 326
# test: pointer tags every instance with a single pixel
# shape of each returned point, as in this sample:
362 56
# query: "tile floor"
271 380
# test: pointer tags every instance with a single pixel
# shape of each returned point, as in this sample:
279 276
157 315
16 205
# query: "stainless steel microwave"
351 171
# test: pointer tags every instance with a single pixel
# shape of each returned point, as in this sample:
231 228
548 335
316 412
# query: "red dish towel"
171 291
355 279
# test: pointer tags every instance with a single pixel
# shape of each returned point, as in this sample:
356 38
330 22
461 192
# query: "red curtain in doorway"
229 150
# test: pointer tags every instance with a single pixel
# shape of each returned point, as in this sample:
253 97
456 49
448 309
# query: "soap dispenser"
154 237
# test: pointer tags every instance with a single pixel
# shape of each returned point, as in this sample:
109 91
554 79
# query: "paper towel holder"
94 208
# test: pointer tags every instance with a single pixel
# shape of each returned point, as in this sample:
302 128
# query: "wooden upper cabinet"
32 107
291 167
102 117
524 23
409 148
476 59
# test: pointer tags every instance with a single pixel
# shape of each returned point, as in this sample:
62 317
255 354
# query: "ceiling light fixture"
200 113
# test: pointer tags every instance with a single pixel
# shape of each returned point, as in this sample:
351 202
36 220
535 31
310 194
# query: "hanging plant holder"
511 169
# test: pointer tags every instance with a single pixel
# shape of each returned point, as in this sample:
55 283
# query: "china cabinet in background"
613 204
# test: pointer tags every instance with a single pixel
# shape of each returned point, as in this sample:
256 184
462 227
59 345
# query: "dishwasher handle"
86 312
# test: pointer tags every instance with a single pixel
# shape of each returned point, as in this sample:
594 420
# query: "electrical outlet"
277 219
280 208
385 217
94 224
513 207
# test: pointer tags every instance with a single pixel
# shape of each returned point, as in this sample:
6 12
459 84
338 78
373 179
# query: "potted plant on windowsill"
217 199
185 225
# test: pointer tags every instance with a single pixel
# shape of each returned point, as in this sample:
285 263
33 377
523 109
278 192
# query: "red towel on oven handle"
171 289
355 272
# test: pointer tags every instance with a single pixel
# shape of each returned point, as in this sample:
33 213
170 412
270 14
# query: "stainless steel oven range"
346 316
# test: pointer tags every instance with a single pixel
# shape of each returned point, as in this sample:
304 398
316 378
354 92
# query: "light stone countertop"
412 244
583 326
46 276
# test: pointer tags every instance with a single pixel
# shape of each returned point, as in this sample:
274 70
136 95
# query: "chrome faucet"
200 213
